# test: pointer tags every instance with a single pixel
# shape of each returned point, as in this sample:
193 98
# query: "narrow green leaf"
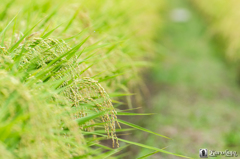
87 118
71 20
4 12
129 114
93 47
77 35
112 152
102 146
50 16
45 30
50 32
146 146
86 69
4 30
152 148
18 59
140 128
22 38
150 154
120 94
110 77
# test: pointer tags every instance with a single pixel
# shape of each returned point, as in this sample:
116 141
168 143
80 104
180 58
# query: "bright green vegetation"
63 67
197 103
223 18
67 66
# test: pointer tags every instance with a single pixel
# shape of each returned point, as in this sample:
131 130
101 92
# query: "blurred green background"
194 88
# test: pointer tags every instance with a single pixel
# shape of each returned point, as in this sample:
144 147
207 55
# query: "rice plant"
59 63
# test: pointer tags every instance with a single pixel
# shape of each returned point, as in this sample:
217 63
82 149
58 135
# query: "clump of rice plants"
59 61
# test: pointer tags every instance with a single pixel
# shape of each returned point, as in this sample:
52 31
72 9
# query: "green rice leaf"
140 128
150 154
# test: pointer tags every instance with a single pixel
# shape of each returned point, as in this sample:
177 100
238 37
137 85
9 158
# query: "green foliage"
54 92
223 18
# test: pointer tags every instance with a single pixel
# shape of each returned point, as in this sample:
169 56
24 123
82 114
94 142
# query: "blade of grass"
140 128
152 148
109 77
146 146
148 155
112 152
22 38
129 114
50 16
87 118
4 12
4 30
50 32
77 35
71 20
120 94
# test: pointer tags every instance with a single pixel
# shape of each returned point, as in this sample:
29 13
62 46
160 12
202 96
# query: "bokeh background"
194 83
